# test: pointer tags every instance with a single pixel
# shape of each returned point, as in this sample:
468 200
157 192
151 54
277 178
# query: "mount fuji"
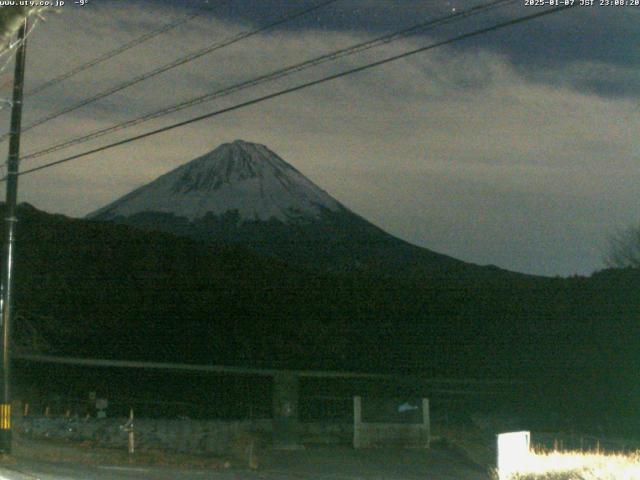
243 193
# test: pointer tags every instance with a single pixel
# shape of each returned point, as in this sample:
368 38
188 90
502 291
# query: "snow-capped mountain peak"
242 176
243 194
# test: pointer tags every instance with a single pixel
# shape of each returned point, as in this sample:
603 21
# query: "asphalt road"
322 463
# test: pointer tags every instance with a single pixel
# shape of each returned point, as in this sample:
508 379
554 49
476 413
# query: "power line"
176 63
303 86
300 87
121 49
274 75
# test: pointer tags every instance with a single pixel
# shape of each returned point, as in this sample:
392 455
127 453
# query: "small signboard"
513 452
392 410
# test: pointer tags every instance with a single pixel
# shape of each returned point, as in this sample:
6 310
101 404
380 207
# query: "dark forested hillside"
95 289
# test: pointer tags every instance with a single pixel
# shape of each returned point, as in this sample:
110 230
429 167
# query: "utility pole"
9 241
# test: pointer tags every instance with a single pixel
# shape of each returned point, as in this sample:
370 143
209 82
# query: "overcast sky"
519 148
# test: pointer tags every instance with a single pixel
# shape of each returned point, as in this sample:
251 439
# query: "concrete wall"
368 434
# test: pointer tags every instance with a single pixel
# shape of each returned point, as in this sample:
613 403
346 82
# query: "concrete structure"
367 434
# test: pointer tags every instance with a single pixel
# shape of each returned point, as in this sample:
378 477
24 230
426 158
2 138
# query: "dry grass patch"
578 466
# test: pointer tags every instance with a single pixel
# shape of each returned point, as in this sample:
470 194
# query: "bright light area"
513 451
577 466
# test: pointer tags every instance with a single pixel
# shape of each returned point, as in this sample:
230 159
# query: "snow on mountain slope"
241 176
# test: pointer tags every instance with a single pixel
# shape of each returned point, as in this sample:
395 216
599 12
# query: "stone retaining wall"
185 436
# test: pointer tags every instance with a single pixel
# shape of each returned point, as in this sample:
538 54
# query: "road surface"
321 463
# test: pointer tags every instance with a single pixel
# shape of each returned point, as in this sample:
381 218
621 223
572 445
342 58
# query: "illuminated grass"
579 466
